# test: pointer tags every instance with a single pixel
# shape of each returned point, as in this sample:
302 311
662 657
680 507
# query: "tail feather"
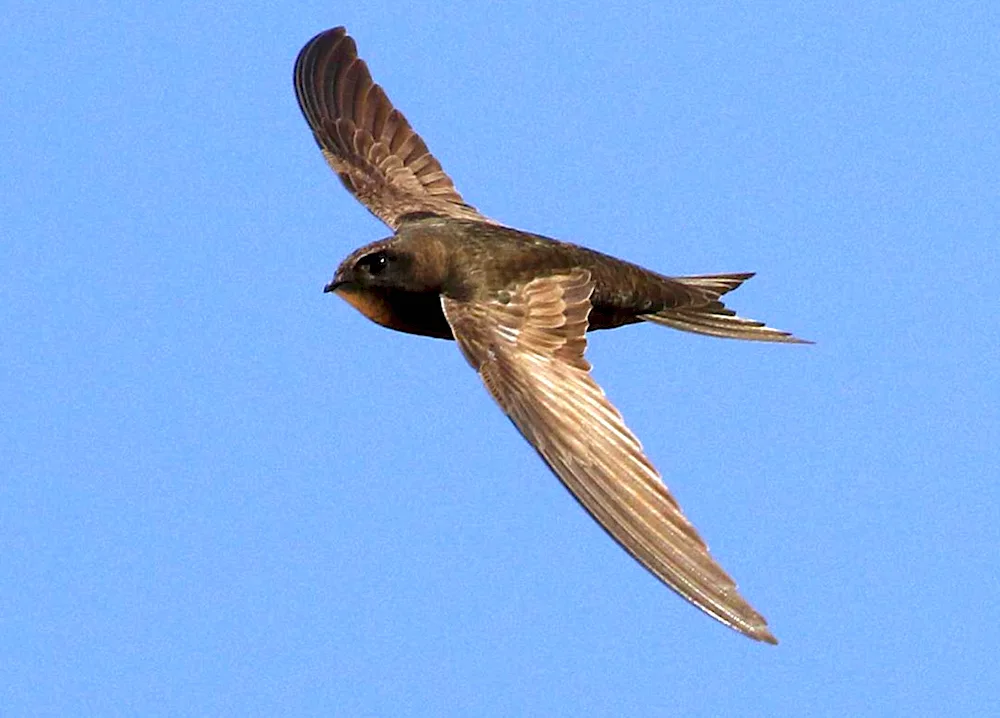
714 318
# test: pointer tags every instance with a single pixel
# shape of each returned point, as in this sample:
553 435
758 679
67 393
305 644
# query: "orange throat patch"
372 305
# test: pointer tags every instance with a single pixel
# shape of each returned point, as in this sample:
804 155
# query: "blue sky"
225 493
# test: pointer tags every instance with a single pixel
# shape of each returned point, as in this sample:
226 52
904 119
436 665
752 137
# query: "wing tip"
766 637
759 632
722 325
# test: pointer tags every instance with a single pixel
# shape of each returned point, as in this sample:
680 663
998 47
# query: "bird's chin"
372 304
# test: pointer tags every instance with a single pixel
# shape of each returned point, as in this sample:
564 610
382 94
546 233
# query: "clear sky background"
225 493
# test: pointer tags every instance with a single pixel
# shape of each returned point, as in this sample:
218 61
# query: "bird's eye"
375 263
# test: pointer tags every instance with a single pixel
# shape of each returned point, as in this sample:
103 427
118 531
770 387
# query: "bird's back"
499 258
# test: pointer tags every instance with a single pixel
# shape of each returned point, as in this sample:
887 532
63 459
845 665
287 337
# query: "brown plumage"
519 306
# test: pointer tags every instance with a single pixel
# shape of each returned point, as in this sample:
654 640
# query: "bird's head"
391 265
375 266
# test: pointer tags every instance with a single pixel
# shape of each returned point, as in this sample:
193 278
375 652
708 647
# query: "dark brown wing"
368 143
529 353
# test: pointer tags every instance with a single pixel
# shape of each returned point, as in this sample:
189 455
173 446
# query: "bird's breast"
410 312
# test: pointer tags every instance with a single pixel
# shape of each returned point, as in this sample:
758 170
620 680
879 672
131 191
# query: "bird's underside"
519 307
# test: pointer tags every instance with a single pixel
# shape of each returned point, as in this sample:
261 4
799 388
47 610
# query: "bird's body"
474 260
519 306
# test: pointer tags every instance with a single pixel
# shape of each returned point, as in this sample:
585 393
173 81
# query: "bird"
519 306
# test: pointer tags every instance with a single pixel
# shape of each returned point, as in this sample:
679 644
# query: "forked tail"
713 317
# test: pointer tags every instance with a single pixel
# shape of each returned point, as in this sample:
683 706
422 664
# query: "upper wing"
529 353
368 143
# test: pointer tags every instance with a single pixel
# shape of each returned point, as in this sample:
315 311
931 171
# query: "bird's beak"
340 279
